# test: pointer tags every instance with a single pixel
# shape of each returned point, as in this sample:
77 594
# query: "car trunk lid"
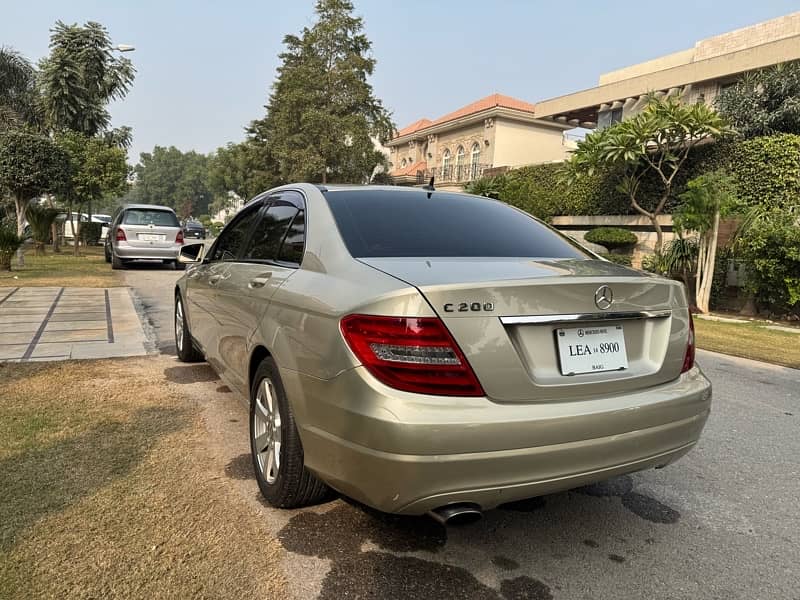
515 320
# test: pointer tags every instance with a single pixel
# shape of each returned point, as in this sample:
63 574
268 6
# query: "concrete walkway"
50 323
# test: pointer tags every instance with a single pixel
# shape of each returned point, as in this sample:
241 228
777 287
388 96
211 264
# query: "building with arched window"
494 133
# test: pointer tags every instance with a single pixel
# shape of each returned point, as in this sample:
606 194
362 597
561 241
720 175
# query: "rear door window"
294 243
405 223
269 232
232 239
147 216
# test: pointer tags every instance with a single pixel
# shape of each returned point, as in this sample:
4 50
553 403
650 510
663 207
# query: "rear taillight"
688 358
120 235
414 354
179 238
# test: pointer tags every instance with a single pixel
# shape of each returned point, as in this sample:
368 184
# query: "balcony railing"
454 173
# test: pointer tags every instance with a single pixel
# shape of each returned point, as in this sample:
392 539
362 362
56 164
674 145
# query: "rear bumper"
128 252
408 453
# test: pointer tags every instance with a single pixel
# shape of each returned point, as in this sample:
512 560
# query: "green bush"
620 259
770 247
91 232
9 242
612 238
766 169
653 263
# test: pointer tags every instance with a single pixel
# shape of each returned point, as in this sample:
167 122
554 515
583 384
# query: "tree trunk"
702 248
76 232
22 207
659 233
708 268
54 233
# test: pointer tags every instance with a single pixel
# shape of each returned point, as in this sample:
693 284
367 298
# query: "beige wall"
657 64
519 144
747 37
726 43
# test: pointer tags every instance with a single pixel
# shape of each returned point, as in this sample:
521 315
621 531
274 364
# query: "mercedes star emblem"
603 297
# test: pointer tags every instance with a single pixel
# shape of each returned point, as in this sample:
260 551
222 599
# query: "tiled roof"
415 126
495 100
410 169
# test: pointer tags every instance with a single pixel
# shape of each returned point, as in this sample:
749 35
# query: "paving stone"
73 325
24 337
76 335
15 351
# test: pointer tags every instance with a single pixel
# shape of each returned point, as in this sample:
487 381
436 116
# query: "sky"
204 69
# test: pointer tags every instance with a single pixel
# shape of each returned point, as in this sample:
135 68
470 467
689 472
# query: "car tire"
106 254
187 351
116 262
284 481
178 266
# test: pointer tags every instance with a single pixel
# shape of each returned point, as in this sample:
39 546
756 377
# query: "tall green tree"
656 140
173 178
323 117
98 170
764 102
239 168
30 165
81 76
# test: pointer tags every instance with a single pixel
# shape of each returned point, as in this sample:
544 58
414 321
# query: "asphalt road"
723 522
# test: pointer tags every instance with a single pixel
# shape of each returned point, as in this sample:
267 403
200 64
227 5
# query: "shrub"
653 263
9 242
770 247
620 259
612 238
91 232
40 218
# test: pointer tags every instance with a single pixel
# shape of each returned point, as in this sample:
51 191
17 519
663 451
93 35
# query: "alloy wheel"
267 431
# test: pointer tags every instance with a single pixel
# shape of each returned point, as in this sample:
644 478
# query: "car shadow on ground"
378 555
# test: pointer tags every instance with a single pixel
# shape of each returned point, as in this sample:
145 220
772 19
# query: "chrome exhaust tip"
462 513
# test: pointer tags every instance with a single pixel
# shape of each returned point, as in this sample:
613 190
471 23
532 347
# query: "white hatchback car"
144 232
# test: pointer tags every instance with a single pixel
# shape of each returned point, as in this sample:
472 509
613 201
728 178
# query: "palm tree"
18 97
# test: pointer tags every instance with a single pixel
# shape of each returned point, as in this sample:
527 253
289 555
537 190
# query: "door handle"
214 279
260 281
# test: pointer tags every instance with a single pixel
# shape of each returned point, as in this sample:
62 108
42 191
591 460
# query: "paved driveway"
721 523
51 323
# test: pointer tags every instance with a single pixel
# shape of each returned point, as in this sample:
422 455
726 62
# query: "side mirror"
191 253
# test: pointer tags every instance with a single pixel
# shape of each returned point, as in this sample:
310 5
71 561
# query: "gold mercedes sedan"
424 351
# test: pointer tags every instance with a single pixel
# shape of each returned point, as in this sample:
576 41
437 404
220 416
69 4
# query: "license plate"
591 349
151 237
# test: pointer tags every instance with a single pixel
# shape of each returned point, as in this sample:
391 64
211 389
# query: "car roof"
149 206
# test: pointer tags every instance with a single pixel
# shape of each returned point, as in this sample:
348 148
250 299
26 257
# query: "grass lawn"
87 270
748 340
110 490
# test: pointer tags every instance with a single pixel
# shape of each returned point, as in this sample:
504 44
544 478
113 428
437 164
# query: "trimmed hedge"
766 170
611 237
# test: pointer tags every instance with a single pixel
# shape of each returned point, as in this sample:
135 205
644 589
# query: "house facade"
697 74
493 133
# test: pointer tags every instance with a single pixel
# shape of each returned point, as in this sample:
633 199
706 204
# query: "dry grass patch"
109 490
62 270
748 340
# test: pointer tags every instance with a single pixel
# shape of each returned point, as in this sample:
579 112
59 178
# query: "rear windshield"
149 216
387 223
